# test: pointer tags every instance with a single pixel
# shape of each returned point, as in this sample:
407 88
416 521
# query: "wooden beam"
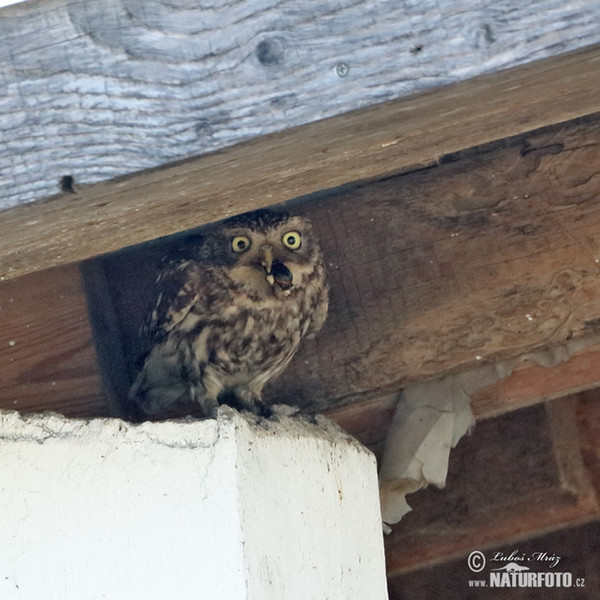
97 90
537 484
576 547
372 143
431 273
531 383
47 351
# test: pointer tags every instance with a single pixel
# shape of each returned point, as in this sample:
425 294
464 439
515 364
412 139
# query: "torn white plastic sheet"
430 419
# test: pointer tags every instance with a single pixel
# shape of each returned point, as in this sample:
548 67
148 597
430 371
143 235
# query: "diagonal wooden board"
474 261
489 256
96 90
376 142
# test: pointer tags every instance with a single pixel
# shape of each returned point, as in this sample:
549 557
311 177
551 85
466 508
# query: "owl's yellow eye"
240 243
292 240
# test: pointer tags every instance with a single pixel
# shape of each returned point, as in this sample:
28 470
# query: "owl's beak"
267 261
277 272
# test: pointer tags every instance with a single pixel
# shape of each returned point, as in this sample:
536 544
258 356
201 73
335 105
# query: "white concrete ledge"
219 509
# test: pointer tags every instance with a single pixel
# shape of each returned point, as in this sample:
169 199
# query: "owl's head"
269 252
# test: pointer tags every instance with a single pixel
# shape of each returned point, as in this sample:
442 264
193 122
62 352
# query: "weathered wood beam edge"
497 537
371 143
529 383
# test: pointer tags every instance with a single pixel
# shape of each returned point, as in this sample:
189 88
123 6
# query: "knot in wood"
270 52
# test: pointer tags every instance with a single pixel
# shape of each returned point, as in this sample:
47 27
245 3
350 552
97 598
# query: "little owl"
230 309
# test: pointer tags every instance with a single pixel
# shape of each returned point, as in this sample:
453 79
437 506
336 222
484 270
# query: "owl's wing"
178 289
319 312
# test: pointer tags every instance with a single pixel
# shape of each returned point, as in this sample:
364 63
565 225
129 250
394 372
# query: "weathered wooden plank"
588 420
374 142
95 90
531 383
369 418
47 353
404 305
431 272
576 548
515 476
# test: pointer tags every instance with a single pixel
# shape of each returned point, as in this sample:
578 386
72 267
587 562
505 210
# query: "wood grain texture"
531 383
514 476
486 257
576 546
372 143
47 354
369 418
588 419
96 90
429 271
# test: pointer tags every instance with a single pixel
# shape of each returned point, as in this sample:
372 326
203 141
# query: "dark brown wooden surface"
578 549
515 476
47 353
482 258
371 143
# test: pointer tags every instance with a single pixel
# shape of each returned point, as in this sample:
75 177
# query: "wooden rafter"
431 272
372 143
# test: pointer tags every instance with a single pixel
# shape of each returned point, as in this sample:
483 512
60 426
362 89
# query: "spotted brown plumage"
230 310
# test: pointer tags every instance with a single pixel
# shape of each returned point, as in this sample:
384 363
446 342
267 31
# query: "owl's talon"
264 411
285 410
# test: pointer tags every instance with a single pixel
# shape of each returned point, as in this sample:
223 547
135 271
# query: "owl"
230 310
